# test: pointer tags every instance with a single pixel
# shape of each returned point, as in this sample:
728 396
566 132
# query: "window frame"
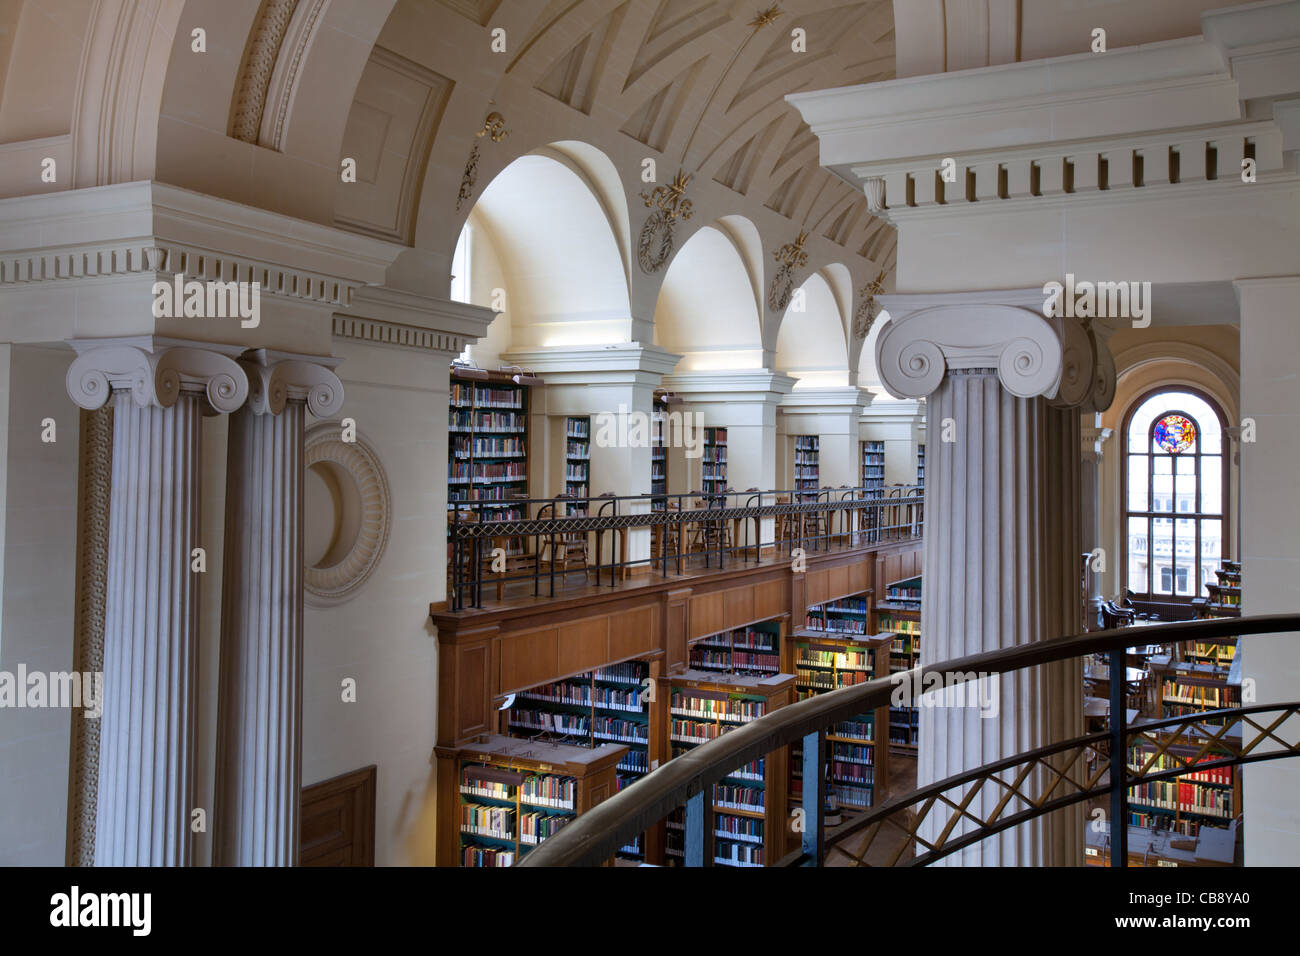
1197 516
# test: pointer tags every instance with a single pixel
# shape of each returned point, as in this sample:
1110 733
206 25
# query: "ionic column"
146 760
1002 537
259 709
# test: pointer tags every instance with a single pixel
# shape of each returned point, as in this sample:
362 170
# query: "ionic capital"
275 383
1058 358
155 375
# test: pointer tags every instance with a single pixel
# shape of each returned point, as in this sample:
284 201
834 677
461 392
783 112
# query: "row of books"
856 729
493 789
1208 697
695 732
536 827
483 856
487 447
635 761
629 672
738 798
486 421
482 820
893 625
575 472
492 492
1184 797
826 680
751 771
585 695
839 625
578 450
492 514
852 796
740 711
529 719
846 606
845 660
1138 758
909 645
856 773
854 753
738 662
549 791
621 731
728 853
460 471
738 828
578 428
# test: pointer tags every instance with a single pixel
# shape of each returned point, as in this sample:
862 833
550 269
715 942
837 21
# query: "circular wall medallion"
346 514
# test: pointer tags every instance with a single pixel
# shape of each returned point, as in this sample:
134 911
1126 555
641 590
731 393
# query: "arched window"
1175 506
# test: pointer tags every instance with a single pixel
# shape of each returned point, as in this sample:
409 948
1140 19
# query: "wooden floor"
902 779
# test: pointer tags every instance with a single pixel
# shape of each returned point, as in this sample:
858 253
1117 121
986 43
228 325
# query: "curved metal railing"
596 835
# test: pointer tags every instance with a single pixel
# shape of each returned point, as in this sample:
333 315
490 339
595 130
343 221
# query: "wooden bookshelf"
752 651
658 456
487 442
750 822
505 796
825 658
607 705
900 614
873 467
807 471
577 462
1192 802
714 460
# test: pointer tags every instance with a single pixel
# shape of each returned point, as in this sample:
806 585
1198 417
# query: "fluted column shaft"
259 735
259 714
159 390
146 763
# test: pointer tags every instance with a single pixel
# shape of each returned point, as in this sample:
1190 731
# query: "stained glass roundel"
1174 433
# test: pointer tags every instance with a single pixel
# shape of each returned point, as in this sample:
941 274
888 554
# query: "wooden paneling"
738 606
772 599
635 633
338 821
466 689
529 659
584 645
676 616
706 615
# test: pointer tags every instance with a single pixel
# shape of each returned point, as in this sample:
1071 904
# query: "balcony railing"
942 818
554 537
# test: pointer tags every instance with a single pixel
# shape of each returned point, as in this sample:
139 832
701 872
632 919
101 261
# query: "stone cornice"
825 401
149 227
1070 96
746 385
576 363
407 320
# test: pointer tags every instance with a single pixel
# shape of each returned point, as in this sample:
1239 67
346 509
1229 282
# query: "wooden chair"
661 548
519 559
566 552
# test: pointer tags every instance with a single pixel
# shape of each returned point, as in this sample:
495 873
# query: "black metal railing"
537 540
1030 784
